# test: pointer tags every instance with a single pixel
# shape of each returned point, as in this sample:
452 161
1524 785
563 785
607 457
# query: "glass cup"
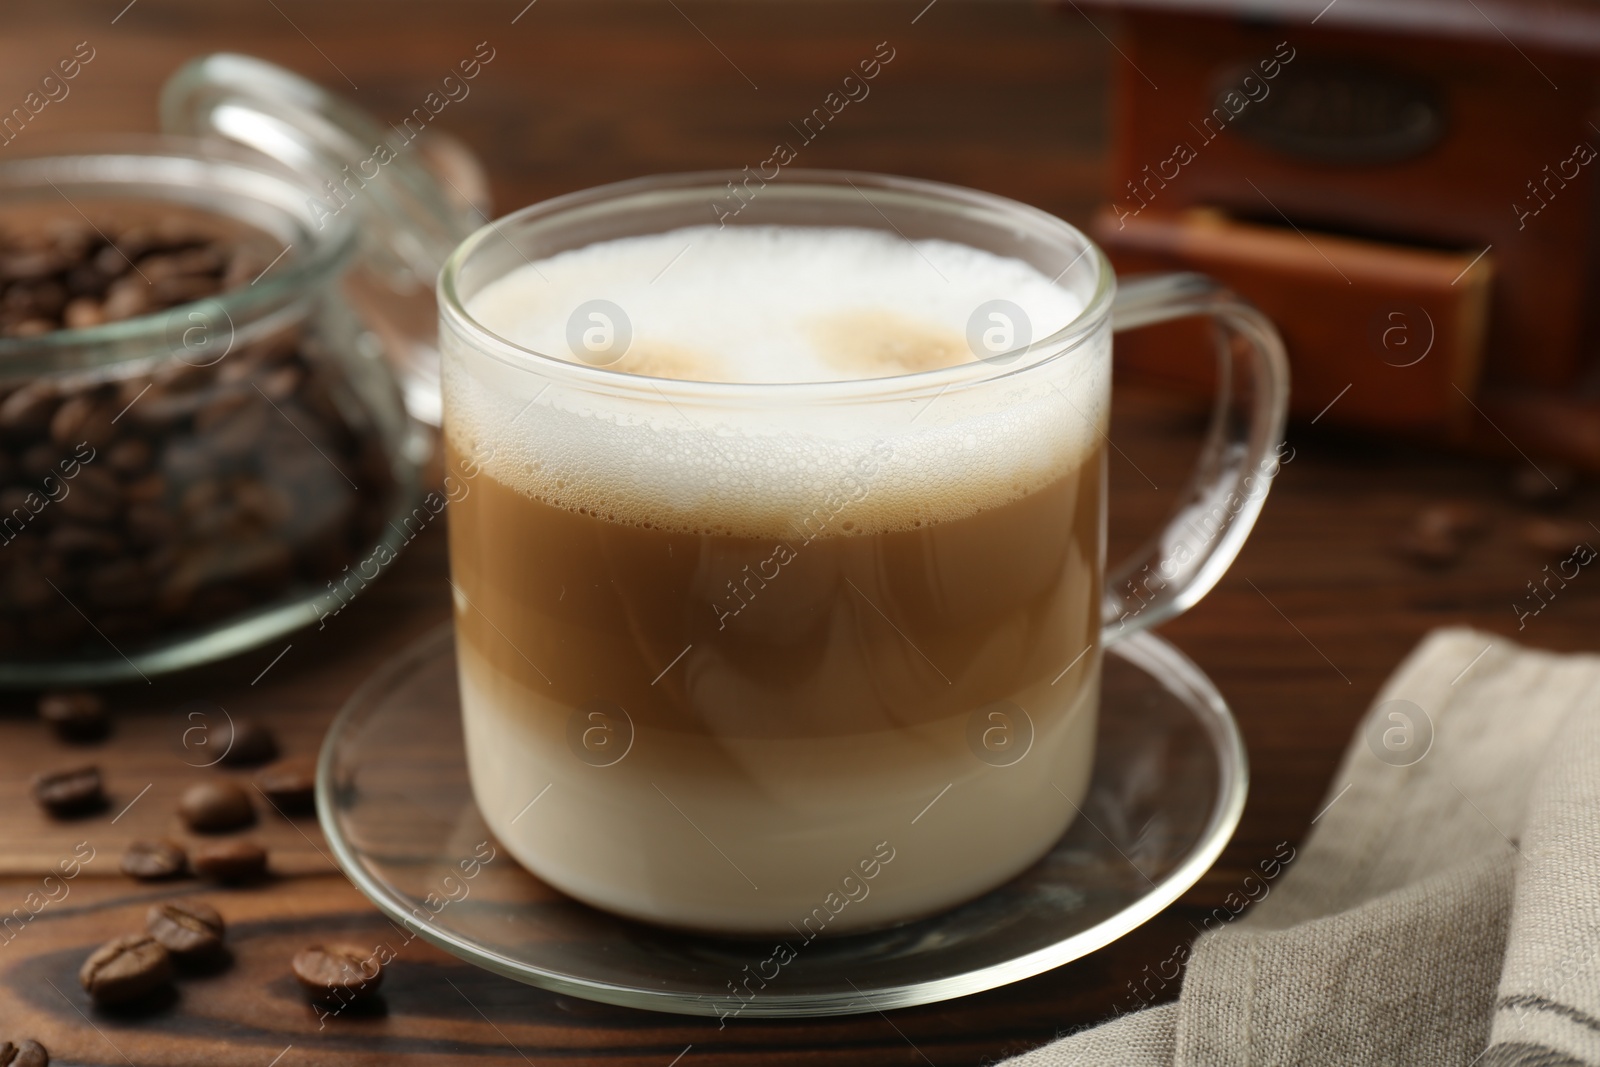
813 657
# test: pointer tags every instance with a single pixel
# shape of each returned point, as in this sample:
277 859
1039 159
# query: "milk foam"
774 304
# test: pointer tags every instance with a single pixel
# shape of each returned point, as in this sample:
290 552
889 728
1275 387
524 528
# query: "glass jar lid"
414 192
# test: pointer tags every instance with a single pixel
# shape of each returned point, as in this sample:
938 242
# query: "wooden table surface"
1005 97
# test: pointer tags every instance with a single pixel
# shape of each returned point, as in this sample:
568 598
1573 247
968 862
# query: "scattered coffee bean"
1549 486
70 792
23 1054
125 970
151 861
1556 538
1439 534
338 973
251 743
291 784
186 928
1429 548
1462 521
216 806
74 714
229 861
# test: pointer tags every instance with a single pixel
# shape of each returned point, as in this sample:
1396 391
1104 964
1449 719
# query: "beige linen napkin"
1445 909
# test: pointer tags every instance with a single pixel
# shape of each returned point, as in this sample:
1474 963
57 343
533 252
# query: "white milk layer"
754 836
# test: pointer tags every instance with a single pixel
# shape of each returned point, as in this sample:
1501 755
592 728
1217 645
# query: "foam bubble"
767 303
772 304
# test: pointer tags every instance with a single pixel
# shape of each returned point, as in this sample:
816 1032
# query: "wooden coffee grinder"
1407 187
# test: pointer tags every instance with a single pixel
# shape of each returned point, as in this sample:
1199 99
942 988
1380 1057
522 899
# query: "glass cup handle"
1238 460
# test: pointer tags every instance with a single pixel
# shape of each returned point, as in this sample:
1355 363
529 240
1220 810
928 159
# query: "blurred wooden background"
1007 97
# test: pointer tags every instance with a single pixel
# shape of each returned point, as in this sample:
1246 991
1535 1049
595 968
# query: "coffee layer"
798 636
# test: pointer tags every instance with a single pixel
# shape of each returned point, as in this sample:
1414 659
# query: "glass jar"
182 485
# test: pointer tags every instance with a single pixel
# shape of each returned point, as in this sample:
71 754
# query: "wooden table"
1011 98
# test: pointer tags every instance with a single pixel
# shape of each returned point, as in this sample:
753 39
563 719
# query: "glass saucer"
392 795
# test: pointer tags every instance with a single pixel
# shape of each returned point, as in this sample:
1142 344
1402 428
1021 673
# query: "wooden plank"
1321 556
432 1005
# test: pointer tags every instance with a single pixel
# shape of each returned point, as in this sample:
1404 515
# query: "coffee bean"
151 489
135 241
245 266
85 282
121 583
14 502
23 1054
161 267
94 496
1546 487
31 265
186 928
291 784
151 861
216 806
338 973
38 462
182 289
130 456
85 311
180 377
83 419
264 503
75 715
244 432
71 792
1430 549
92 472
128 296
149 406
27 412
78 540
176 231
1440 534
1556 538
126 970
229 861
152 524
46 301
55 629
280 384
220 409
110 262
251 743
215 602
1461 521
